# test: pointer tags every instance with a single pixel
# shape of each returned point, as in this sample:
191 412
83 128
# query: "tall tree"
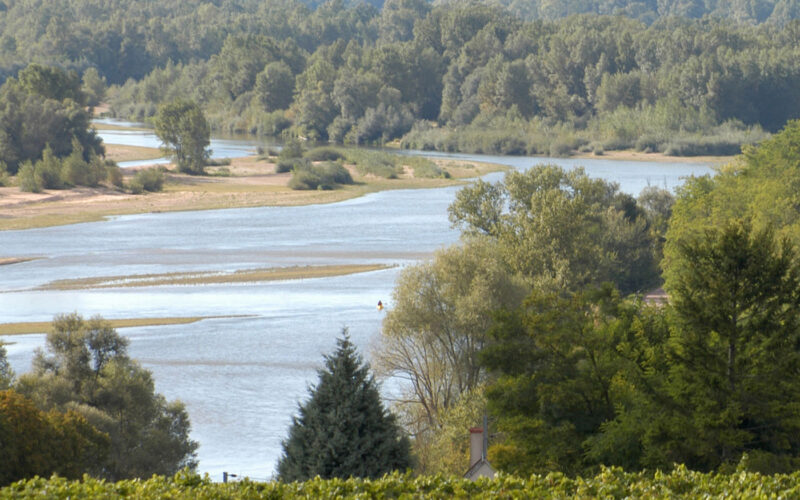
736 293
182 127
343 429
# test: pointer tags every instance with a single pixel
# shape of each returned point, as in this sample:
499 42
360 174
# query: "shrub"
559 148
324 153
4 180
48 171
28 181
426 169
113 173
327 176
148 179
290 164
292 149
376 163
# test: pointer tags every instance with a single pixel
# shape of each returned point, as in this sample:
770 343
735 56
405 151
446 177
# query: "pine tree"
343 430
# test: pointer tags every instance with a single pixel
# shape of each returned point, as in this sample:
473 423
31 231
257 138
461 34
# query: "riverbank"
247 182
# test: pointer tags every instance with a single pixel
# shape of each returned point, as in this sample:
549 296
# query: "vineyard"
610 483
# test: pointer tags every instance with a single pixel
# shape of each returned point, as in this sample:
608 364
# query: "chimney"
475 445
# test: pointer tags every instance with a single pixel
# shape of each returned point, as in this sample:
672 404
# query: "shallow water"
241 377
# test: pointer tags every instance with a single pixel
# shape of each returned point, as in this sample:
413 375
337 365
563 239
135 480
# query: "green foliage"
323 154
293 148
375 163
325 176
148 179
436 327
85 368
6 373
43 108
48 170
425 168
735 292
39 443
26 177
343 430
758 187
561 230
182 127
609 482
4 178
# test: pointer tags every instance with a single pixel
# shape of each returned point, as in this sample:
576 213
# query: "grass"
44 326
212 277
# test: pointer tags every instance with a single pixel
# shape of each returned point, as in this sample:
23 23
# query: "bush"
148 179
292 149
327 176
28 181
113 173
324 153
375 163
4 179
426 169
290 164
559 148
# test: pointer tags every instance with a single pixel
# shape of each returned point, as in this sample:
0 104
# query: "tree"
182 127
39 443
343 429
44 107
554 363
561 229
86 368
736 293
6 373
432 336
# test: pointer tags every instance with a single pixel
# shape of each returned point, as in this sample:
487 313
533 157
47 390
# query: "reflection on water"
241 378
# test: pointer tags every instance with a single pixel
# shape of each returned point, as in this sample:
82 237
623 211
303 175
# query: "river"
241 377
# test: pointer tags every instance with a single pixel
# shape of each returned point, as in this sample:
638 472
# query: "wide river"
242 377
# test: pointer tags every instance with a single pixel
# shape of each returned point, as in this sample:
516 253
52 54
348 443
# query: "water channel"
241 376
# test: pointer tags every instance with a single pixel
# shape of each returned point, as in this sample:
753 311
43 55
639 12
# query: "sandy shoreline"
247 182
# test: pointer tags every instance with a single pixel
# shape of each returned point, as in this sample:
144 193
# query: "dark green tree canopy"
343 430
45 106
86 368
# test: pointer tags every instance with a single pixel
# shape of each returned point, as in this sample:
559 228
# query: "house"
478 444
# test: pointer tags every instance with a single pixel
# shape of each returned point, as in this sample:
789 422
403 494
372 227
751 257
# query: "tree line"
476 78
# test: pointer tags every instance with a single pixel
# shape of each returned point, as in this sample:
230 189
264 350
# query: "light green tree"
436 327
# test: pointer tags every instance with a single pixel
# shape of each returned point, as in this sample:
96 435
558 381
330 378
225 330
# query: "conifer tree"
343 430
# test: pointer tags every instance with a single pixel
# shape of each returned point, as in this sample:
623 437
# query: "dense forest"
456 76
